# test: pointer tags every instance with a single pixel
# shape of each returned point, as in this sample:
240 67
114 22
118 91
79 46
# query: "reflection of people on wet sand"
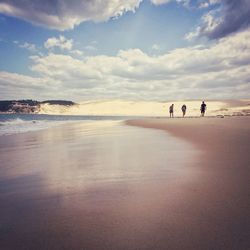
183 109
171 111
203 108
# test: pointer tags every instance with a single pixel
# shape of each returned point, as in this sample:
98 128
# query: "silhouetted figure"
183 109
203 108
171 111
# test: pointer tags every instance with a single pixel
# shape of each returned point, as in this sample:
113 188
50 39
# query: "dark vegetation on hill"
29 106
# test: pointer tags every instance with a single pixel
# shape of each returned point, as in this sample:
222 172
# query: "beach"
125 125
141 184
217 214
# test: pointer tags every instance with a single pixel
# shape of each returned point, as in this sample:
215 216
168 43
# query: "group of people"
184 109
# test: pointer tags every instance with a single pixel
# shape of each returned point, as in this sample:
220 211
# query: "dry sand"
216 215
191 195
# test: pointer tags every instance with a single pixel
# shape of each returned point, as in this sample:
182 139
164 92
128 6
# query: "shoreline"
22 123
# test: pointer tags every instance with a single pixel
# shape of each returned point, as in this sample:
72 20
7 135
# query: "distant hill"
29 106
59 102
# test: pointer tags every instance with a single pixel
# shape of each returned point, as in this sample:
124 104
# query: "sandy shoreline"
190 191
220 200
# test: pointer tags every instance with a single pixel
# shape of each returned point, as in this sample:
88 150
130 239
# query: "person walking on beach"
183 109
171 111
203 108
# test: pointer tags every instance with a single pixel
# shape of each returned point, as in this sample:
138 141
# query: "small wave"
8 122
14 124
18 125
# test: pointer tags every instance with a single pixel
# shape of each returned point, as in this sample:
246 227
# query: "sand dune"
132 108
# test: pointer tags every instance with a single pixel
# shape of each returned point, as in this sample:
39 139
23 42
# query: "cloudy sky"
124 49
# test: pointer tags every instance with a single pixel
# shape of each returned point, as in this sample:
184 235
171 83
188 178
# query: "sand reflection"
72 157
83 184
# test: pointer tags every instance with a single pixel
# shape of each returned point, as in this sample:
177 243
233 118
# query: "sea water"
20 123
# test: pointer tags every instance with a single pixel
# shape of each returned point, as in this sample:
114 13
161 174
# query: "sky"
150 50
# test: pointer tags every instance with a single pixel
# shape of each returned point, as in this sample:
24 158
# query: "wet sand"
89 186
126 187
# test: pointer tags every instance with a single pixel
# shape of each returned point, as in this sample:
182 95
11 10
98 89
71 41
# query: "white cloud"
90 47
227 17
220 70
208 3
16 86
192 35
61 42
76 52
29 46
223 18
209 22
204 5
156 47
159 2
64 14
213 2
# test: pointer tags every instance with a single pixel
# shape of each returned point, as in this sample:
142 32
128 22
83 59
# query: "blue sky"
140 50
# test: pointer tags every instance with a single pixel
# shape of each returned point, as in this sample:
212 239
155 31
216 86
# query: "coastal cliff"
29 106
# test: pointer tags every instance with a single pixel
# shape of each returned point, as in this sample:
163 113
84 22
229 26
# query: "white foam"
18 125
